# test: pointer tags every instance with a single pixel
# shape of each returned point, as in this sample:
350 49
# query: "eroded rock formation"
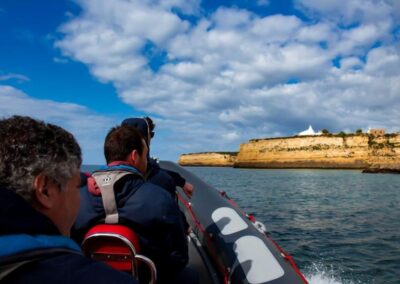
212 159
345 152
331 151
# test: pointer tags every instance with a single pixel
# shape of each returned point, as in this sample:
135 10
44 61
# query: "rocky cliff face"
208 159
348 152
331 152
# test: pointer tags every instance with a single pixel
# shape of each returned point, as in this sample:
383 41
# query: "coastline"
372 154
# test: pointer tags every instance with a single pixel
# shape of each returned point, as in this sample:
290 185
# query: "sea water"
341 227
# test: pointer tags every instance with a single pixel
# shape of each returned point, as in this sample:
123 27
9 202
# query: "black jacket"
160 177
24 233
150 211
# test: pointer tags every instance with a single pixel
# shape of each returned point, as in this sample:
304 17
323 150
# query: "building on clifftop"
309 131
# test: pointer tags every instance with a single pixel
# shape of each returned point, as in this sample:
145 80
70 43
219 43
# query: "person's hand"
188 189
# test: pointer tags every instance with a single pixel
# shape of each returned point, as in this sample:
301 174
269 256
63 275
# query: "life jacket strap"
106 180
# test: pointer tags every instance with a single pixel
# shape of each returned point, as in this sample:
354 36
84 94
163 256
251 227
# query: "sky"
211 74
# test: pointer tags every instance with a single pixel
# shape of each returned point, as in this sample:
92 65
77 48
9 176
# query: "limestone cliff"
212 159
346 152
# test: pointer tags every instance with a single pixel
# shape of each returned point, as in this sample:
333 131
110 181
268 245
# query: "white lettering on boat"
263 265
228 221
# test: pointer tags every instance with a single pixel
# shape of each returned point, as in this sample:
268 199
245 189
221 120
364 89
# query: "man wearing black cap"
161 177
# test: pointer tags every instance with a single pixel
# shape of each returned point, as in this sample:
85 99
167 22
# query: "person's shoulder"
162 178
158 198
153 163
155 190
69 268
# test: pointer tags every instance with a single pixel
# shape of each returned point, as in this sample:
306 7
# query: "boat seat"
118 246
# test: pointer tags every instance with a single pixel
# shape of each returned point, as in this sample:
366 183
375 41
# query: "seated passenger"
148 209
164 178
154 174
39 201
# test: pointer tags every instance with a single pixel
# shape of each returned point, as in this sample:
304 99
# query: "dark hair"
29 147
121 141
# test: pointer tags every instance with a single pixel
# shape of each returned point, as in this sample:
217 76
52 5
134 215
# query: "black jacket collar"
18 217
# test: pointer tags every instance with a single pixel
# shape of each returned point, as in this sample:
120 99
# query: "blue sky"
212 74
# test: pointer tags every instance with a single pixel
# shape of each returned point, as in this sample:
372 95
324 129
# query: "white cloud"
231 136
354 41
350 11
228 76
12 76
60 60
320 32
190 7
231 18
263 3
384 61
110 36
69 14
276 28
185 70
350 62
88 127
243 114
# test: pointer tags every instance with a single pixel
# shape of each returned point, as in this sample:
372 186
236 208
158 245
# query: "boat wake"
319 273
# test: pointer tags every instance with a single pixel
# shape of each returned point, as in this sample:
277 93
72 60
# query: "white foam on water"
321 278
318 273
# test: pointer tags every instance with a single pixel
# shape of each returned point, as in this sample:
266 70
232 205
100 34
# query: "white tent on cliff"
309 131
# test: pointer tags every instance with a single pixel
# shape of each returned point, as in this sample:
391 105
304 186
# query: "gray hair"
29 147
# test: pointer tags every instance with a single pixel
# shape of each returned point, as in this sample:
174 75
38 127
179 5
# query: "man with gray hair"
39 202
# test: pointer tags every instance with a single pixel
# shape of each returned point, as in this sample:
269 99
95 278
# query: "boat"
226 245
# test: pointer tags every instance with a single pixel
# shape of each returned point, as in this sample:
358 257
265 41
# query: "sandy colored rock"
331 152
348 152
213 159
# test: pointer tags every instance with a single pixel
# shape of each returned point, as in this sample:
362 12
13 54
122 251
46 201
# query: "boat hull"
235 247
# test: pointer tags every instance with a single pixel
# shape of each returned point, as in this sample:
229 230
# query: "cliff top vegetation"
340 134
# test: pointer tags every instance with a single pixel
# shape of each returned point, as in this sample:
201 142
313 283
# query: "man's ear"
134 156
42 190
